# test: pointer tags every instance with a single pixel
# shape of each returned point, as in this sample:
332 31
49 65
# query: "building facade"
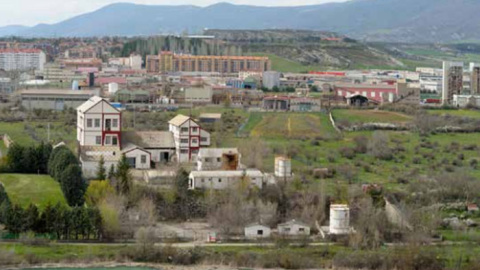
452 81
189 137
22 59
54 99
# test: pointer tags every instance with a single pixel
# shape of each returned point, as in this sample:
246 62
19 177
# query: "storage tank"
112 88
75 85
339 219
283 167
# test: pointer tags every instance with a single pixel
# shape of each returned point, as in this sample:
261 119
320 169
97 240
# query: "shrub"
347 152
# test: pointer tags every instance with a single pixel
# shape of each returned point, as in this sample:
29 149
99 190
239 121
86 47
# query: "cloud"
32 12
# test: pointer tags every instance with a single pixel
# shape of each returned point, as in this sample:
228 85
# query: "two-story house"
189 137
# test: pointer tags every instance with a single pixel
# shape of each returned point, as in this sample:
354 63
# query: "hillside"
370 20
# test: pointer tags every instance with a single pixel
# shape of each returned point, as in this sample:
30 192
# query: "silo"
339 219
283 167
112 88
75 85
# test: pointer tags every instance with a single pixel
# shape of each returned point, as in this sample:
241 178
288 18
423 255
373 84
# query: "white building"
283 167
189 137
257 230
198 94
339 219
134 61
224 179
293 228
211 159
271 79
462 101
22 59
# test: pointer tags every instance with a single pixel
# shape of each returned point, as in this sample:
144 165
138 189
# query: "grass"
24 189
369 116
461 113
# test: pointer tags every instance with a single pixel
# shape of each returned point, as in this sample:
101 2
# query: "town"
201 154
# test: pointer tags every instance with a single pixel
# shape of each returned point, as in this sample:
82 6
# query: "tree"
101 172
111 172
73 185
378 146
32 218
123 175
15 157
97 191
181 182
15 219
59 161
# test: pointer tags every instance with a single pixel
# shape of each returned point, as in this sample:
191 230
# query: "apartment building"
169 62
452 81
189 137
474 78
22 59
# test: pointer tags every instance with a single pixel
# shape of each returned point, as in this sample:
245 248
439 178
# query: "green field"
369 116
285 65
24 189
461 113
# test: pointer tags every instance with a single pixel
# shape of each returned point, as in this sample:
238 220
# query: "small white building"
224 179
293 228
137 157
211 159
188 136
339 219
462 101
257 230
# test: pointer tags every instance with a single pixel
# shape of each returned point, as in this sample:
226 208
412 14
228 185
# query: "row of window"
185 129
109 140
185 151
109 123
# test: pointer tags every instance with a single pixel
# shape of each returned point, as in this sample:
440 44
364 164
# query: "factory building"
54 99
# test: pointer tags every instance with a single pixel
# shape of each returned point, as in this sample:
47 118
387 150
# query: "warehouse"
55 99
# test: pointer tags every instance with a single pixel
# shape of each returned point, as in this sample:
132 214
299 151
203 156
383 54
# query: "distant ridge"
371 20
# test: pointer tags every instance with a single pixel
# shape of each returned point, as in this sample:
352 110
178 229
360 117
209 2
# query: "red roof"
20 51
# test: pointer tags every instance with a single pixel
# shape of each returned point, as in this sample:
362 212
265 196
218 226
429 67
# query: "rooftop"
249 173
179 120
150 139
58 92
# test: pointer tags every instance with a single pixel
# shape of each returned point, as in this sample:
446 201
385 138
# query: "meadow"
370 116
24 189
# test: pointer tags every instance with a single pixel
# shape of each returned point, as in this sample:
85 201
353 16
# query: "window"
184 151
208 159
219 180
194 141
108 140
98 140
184 129
115 123
260 232
184 141
143 159
89 123
372 94
219 159
301 229
203 139
203 180
195 129
97 123
114 140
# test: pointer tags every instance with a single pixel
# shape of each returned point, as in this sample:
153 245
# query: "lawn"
281 64
290 125
461 113
369 116
24 189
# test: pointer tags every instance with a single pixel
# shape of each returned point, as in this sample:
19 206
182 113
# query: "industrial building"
224 159
224 179
474 78
54 99
170 62
22 59
452 81
271 79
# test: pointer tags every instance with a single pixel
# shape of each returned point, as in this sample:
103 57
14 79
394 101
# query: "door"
108 124
164 157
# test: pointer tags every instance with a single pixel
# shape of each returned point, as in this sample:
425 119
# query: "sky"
32 12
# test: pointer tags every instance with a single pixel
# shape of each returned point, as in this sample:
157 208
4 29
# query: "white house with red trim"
99 133
189 137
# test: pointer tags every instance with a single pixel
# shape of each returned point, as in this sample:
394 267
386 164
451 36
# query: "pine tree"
111 172
123 175
101 172
73 185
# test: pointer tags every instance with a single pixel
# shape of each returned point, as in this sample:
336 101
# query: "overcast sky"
32 12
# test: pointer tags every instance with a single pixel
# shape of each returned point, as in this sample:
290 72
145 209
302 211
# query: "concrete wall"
252 231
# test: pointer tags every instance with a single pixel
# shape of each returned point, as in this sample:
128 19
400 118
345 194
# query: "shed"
293 228
257 230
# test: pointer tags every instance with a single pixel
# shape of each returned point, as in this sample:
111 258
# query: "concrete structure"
293 228
168 62
210 117
294 104
257 230
339 219
452 81
54 99
305 105
463 101
198 94
271 79
405 94
225 179
212 159
22 59
283 167
189 137
134 62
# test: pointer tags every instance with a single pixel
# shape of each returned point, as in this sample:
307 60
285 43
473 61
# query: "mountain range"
369 20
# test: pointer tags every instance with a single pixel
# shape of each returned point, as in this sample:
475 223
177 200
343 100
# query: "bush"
29 238
347 152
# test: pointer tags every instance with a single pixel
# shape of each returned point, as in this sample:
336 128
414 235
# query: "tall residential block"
474 78
170 62
22 59
452 81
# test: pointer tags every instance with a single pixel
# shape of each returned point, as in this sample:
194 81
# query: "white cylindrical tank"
75 85
283 167
112 88
339 219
